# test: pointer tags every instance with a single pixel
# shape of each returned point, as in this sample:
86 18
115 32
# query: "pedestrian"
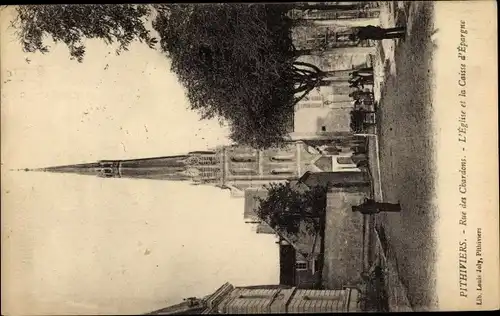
370 206
358 105
356 83
377 33
354 79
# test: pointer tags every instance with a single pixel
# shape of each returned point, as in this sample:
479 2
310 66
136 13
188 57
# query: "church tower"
234 167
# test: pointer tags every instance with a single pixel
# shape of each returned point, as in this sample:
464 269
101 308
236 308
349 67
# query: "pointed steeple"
199 166
84 169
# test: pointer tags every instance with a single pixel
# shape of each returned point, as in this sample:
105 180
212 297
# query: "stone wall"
343 237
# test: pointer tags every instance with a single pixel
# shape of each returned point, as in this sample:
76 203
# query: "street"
406 163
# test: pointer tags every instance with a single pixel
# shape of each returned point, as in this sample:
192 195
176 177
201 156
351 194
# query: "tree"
236 61
286 207
71 24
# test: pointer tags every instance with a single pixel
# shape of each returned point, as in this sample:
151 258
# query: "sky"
84 245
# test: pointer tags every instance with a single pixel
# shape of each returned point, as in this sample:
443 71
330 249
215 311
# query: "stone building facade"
322 38
345 255
266 299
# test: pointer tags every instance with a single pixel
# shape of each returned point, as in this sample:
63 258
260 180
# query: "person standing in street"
377 33
370 207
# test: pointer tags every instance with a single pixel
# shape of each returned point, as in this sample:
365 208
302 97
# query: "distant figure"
377 33
358 105
370 206
361 96
356 83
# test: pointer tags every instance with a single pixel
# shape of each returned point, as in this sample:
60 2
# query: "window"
243 158
301 265
281 171
282 158
344 160
243 171
316 265
323 128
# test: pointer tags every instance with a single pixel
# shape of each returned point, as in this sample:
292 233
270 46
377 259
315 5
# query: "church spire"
84 169
200 166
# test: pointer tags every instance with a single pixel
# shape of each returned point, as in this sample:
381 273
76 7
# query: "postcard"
316 157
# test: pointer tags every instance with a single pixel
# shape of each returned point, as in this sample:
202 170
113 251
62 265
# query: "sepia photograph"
249 158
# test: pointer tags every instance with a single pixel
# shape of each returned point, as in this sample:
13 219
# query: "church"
320 138
233 167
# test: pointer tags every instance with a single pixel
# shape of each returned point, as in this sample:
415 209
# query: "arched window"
281 171
243 158
243 171
282 158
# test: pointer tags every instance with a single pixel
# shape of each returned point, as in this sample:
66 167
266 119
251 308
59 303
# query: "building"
322 38
336 10
230 167
301 263
346 256
267 299
301 256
